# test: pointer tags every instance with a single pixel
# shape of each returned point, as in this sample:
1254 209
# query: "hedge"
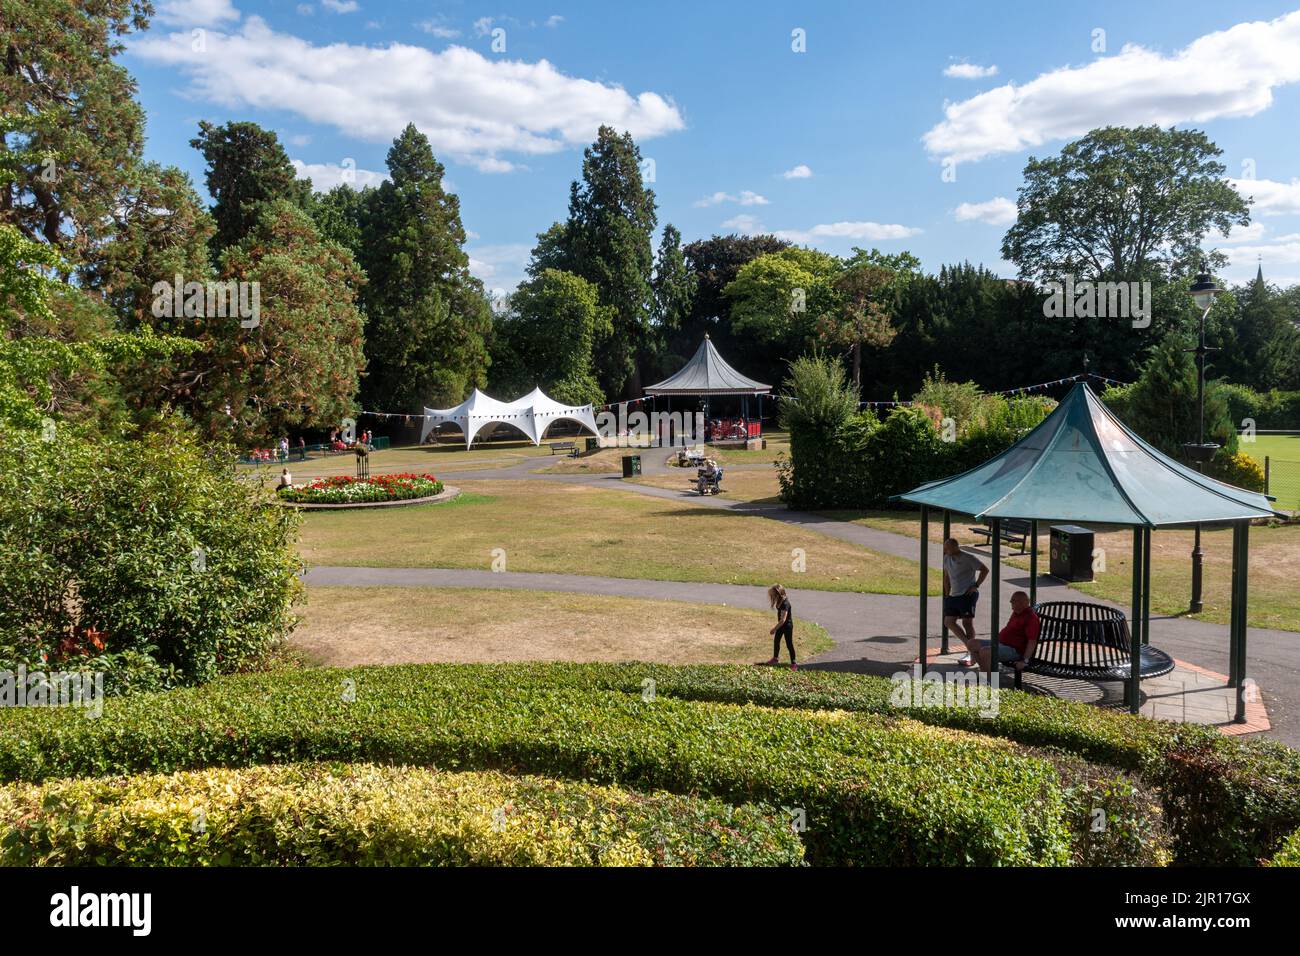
1274 409
369 815
1289 854
1226 800
874 789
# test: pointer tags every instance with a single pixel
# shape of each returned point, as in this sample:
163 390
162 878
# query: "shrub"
128 552
1253 786
1237 469
368 815
877 790
1289 853
1274 409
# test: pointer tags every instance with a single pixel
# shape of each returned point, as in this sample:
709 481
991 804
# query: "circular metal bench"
1085 641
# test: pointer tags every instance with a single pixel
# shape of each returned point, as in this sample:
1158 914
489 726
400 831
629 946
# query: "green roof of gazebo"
1083 464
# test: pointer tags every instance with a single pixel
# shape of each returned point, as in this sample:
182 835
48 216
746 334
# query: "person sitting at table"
1018 639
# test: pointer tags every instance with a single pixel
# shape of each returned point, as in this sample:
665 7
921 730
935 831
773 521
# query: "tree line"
366 301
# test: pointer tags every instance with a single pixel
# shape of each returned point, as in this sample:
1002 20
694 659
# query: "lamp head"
1203 290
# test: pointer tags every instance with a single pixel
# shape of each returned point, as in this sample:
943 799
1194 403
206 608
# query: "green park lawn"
1274 599
577 529
1284 452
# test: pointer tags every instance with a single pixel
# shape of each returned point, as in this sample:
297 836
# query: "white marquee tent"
533 414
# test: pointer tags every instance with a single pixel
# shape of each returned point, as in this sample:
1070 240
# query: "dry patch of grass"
344 627
604 462
577 529
758 485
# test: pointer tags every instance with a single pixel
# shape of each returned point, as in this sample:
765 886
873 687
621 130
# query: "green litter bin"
631 466
593 444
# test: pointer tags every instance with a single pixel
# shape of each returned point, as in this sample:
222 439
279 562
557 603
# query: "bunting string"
1023 390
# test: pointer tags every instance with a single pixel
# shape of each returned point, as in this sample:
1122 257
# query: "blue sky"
843 143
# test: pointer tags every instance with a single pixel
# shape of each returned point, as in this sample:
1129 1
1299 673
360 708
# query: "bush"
368 815
1274 409
1289 853
1254 784
148 559
876 790
1237 469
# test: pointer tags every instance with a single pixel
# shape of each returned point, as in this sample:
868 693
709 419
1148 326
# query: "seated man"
1018 639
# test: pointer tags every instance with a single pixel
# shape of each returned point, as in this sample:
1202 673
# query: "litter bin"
1071 552
593 444
631 466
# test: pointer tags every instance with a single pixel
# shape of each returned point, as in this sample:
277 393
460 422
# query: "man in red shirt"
1016 641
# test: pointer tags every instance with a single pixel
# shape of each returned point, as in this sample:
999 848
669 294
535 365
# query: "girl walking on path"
784 626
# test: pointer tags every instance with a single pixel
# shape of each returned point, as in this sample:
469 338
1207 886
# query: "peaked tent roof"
1083 464
707 373
531 414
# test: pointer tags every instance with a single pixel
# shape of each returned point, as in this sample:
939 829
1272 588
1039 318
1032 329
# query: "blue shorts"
1006 653
960 605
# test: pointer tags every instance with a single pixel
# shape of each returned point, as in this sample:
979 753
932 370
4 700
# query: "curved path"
873 633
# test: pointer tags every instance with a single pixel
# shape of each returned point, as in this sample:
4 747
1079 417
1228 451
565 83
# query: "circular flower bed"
344 490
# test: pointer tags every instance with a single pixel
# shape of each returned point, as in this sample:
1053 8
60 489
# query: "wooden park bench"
1083 641
571 448
1011 530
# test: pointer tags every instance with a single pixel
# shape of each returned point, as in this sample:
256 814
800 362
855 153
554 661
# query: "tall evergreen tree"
71 132
674 287
247 167
607 241
427 318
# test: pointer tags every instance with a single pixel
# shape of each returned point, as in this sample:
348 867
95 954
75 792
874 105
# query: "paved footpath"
873 633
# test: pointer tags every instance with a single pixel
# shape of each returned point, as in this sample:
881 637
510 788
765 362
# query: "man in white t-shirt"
963 573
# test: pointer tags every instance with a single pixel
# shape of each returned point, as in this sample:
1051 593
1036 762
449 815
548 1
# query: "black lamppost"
1203 292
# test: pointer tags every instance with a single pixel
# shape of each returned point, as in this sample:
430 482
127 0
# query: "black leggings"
788 633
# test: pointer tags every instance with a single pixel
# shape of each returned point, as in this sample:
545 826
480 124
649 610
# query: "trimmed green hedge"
369 815
1289 853
874 789
1227 800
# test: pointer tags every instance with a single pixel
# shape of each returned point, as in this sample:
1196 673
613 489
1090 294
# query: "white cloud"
439 28
554 20
196 13
325 176
499 267
1229 73
472 108
746 198
1252 233
744 224
998 211
1271 198
298 139
799 172
873 231
969 71
483 26
341 6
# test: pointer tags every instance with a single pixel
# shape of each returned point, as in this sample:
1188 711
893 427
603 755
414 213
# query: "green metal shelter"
1082 464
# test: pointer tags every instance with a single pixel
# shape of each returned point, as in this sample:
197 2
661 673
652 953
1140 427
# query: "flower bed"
345 490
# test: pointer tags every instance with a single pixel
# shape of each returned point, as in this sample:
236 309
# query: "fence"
1282 479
